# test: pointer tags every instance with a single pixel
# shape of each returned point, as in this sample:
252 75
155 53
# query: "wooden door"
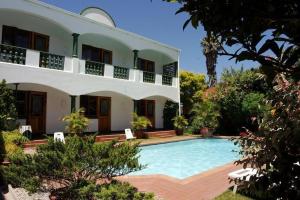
37 112
104 114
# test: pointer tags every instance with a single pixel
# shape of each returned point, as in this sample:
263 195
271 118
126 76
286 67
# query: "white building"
58 61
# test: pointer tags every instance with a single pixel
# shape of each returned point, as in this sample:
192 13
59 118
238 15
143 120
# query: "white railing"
75 65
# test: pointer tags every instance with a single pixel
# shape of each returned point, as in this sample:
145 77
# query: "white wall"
121 111
58 105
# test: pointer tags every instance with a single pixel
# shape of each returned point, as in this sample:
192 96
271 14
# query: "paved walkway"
203 186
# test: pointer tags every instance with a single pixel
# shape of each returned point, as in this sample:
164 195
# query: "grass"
228 195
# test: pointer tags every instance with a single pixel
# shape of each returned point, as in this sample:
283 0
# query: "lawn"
228 195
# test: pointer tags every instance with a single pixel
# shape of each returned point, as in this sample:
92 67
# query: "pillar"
75 45
73 103
135 58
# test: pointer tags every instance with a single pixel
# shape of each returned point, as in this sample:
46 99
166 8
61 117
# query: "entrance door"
104 114
37 112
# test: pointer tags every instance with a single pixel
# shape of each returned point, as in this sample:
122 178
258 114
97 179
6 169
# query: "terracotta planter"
52 197
139 134
179 131
206 132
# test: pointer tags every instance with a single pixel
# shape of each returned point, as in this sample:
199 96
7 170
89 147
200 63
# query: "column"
135 58
75 45
73 103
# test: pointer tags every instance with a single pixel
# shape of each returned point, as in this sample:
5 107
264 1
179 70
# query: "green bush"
180 122
238 96
205 115
7 107
75 166
140 122
77 122
275 152
11 143
121 191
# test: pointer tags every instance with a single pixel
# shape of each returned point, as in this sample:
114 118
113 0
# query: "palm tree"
211 46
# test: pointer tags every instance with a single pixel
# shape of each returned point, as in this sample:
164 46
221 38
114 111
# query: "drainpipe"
73 103
75 45
135 58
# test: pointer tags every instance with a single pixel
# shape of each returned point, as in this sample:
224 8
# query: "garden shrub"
170 111
275 152
77 123
239 94
121 191
205 115
7 107
75 166
11 143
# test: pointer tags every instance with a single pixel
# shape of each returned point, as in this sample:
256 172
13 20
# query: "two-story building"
58 61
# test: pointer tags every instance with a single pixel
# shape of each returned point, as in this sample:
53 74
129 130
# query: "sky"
156 19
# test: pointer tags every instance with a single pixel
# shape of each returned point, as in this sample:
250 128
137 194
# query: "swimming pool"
186 158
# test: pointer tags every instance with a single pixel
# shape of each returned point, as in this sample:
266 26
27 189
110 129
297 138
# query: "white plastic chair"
242 174
59 136
128 134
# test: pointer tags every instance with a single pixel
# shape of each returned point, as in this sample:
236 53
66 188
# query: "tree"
170 111
71 170
7 106
263 31
276 153
211 46
192 86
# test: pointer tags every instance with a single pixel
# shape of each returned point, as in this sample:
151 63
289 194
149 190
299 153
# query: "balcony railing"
52 61
121 72
94 68
12 54
148 77
167 80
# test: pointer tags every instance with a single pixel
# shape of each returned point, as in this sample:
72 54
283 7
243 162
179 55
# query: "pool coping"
187 179
192 137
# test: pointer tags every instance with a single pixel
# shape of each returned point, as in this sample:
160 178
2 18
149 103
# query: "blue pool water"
186 158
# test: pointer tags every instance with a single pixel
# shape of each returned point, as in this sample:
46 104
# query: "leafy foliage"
205 115
77 122
7 106
276 152
121 191
236 96
170 111
140 122
71 170
11 143
180 122
262 31
191 90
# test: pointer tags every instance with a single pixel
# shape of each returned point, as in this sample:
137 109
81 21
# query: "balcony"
49 61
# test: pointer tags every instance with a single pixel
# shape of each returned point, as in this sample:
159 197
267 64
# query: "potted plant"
205 117
139 123
179 123
77 123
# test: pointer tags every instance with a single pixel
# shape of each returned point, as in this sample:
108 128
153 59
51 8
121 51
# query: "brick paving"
204 186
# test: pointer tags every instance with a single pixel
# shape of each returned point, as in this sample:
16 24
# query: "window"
146 108
96 54
89 103
146 65
26 39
